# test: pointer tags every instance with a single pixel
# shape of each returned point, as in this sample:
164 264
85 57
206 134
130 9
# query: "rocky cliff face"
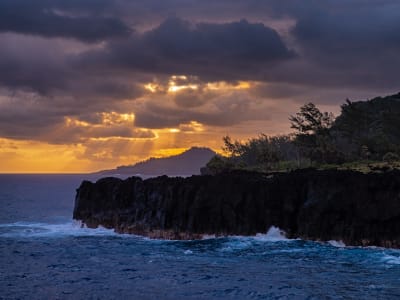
359 209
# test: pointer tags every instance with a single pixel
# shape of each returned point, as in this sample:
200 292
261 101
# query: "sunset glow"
150 81
251 148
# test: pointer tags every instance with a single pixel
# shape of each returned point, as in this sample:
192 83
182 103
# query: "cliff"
359 209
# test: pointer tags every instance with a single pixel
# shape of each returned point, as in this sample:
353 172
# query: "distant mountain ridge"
185 164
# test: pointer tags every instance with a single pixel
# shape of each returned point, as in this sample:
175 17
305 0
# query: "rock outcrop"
359 209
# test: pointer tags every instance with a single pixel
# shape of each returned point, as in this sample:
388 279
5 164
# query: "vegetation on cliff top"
364 137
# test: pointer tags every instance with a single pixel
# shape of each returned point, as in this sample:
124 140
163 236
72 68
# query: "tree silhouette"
310 120
313 135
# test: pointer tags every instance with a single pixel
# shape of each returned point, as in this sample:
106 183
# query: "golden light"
177 83
152 87
168 152
243 85
174 130
74 122
110 118
128 117
107 118
222 85
191 127
177 88
40 157
181 77
121 138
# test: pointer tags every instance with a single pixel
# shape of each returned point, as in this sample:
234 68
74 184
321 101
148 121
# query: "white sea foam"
391 259
279 251
238 243
338 244
274 234
36 229
208 236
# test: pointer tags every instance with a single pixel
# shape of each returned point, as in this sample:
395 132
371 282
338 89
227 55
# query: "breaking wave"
36 229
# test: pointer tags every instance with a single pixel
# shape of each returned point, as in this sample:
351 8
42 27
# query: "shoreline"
169 235
358 209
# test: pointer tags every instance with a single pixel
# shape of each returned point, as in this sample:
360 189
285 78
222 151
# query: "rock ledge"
359 209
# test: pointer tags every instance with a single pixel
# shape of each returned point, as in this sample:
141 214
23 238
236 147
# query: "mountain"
184 164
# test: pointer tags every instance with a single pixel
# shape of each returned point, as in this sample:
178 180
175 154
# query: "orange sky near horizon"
115 140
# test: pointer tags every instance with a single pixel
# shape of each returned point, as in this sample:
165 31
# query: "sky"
87 85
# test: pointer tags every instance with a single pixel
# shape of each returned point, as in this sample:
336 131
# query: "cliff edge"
359 209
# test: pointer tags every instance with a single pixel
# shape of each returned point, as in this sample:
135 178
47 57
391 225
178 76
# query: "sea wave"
391 259
37 229
337 244
274 234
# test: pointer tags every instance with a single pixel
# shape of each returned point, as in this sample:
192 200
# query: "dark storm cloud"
177 39
45 70
355 34
338 43
24 119
56 19
29 64
227 51
351 46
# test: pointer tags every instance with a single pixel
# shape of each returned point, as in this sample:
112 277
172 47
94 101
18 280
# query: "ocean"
44 254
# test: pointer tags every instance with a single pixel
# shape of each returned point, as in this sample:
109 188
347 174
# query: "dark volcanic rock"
360 209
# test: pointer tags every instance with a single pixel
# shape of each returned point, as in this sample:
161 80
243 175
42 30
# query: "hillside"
184 164
373 124
364 137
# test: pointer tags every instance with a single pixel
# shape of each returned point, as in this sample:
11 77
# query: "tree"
262 152
373 123
216 165
233 149
313 133
310 120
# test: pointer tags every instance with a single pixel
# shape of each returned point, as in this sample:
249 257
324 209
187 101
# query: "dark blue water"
44 255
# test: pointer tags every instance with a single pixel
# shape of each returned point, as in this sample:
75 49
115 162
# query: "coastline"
358 209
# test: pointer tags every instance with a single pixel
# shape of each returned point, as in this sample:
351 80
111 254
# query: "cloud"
61 19
211 51
27 116
31 63
115 151
46 70
225 109
79 59
352 33
192 97
351 44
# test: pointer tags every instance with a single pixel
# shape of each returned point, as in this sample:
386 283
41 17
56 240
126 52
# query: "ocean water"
45 255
